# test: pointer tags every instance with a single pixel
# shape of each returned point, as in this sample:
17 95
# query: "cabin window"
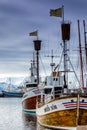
47 90
35 80
57 91
31 85
55 79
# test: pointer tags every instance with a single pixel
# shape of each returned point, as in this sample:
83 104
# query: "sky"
20 17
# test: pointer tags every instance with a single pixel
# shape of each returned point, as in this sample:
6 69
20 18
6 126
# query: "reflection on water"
12 117
29 121
10 114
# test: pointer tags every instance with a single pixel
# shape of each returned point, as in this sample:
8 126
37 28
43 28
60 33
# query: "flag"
33 33
56 12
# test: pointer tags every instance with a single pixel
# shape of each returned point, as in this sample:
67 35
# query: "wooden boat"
32 87
30 96
29 100
60 107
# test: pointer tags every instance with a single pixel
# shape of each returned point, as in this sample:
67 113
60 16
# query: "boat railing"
40 101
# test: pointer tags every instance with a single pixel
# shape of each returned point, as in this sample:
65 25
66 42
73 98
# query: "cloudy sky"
20 17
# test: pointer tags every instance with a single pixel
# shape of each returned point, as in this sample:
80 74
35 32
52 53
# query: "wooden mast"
80 51
85 40
37 47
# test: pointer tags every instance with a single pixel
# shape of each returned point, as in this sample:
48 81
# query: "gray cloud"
19 17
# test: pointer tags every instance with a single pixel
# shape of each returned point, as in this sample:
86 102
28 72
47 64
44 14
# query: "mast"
37 47
85 40
33 70
65 27
80 51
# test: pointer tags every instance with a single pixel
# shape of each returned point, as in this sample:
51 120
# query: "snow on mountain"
4 86
14 82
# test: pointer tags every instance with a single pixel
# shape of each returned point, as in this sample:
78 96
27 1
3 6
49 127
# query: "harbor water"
12 117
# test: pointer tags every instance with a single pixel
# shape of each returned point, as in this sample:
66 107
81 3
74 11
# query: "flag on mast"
56 12
35 33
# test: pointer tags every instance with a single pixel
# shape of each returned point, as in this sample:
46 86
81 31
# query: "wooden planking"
82 117
65 118
59 118
30 103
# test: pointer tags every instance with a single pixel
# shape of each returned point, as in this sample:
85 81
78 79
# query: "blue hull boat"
12 94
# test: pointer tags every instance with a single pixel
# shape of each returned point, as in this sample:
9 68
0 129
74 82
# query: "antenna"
52 64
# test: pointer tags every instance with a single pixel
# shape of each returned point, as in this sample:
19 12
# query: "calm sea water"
12 117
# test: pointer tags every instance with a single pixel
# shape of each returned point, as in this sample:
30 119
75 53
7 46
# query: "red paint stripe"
69 104
83 104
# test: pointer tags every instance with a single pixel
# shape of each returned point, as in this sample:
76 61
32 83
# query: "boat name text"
50 108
